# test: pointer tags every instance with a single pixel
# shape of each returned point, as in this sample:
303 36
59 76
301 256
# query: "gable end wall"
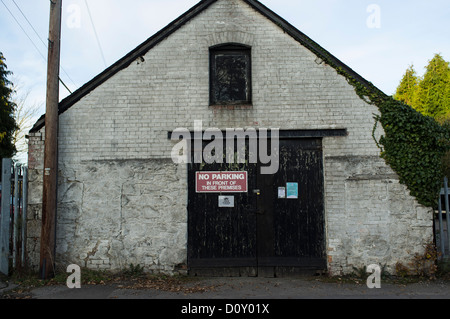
121 198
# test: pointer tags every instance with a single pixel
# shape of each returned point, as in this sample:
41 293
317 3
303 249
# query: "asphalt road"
245 289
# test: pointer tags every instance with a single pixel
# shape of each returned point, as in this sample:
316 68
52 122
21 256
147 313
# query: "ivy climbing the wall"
413 145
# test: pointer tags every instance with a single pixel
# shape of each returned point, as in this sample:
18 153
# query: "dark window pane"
231 77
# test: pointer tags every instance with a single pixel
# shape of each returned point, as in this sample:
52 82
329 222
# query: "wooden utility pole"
49 197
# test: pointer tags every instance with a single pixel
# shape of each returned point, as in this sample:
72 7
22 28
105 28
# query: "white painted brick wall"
116 137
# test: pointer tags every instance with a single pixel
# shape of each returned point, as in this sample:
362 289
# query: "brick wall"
35 182
116 182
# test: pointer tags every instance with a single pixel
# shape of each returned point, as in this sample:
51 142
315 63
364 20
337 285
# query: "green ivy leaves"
413 145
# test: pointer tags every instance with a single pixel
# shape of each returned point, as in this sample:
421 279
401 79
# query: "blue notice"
292 190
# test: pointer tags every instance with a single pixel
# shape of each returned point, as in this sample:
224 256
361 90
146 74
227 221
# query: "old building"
332 204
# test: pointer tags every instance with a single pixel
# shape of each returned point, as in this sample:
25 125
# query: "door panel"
297 225
262 230
218 236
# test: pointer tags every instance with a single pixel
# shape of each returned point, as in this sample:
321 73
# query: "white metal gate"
444 207
13 215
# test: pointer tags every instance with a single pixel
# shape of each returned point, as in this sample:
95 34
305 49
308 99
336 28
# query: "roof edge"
124 62
310 44
142 49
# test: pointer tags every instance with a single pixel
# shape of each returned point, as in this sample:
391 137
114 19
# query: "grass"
360 275
26 280
133 277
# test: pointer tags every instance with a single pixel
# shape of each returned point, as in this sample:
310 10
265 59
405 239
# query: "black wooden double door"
264 231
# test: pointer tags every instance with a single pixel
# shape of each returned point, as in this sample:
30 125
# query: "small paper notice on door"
281 192
226 201
292 190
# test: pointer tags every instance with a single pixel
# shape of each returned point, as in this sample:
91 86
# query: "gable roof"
142 49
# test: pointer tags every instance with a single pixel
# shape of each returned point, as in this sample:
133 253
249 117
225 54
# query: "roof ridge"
147 45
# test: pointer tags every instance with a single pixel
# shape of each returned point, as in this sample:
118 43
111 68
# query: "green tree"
432 96
408 87
445 118
7 122
429 95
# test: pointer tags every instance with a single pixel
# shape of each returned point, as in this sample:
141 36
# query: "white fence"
13 215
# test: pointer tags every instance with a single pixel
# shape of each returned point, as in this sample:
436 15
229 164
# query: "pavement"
235 289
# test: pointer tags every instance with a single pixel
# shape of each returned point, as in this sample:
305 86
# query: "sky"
379 39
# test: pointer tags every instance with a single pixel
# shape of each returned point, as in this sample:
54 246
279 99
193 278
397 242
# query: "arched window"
230 74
